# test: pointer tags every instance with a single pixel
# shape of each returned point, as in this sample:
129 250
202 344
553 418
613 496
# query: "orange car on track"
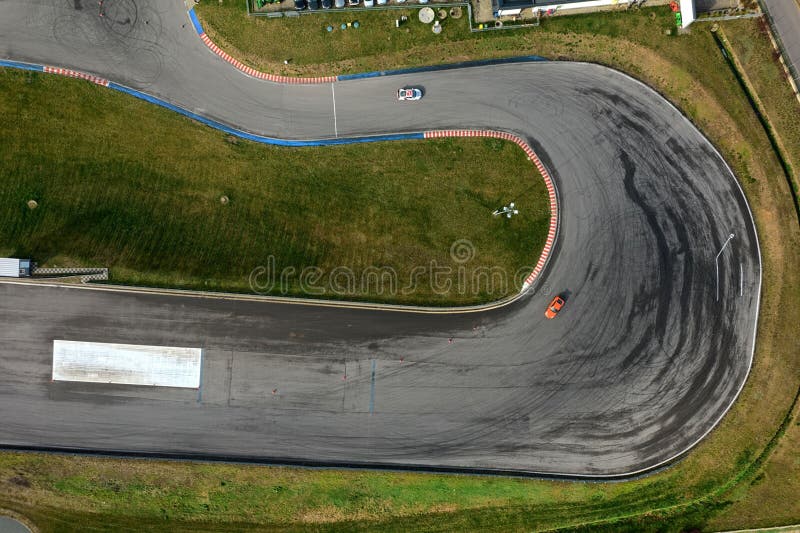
554 307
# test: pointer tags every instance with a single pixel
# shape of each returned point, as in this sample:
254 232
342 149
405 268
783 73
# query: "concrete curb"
75 74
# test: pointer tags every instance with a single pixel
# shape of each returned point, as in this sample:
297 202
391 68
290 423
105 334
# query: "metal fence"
791 67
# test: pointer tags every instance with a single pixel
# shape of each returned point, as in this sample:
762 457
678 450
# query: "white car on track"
409 93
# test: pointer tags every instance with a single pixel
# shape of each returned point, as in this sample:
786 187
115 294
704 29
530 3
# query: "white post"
716 261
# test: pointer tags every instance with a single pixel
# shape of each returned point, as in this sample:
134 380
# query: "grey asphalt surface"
785 15
641 364
9 525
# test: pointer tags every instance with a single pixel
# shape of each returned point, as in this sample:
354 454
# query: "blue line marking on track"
260 138
22 66
196 22
228 129
372 390
379 73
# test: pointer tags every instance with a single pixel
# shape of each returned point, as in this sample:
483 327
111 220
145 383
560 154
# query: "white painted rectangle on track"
126 364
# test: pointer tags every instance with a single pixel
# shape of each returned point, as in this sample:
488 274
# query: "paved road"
785 15
9 525
641 364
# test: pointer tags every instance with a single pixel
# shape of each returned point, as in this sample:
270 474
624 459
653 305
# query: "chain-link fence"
790 66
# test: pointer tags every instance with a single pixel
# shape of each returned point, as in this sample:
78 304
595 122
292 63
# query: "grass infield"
203 210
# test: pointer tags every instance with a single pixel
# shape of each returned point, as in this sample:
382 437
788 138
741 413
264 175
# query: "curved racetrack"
641 364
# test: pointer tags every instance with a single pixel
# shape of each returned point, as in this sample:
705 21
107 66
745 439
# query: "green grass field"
731 480
158 220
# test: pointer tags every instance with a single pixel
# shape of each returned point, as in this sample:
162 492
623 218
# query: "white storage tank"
11 267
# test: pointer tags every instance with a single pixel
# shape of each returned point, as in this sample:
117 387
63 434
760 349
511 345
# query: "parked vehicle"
369 3
381 2
313 5
339 4
300 4
352 2
327 4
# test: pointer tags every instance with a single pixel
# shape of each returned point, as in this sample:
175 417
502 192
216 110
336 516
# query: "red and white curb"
75 74
548 181
257 73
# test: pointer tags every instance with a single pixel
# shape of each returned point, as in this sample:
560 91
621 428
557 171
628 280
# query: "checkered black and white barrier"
86 274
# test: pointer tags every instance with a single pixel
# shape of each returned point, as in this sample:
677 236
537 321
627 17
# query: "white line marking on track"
335 127
716 261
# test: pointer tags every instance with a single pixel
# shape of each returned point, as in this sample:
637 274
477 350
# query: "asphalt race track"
641 364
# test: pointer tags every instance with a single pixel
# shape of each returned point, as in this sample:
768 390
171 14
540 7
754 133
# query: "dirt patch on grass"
19 481
323 515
